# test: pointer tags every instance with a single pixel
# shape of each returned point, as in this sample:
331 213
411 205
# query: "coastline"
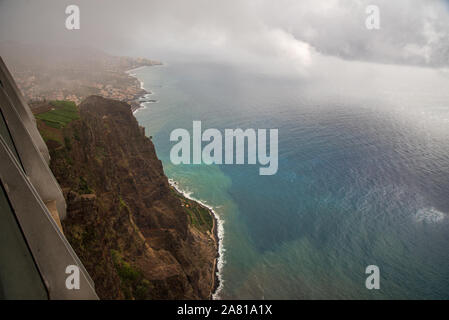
136 105
217 229
218 233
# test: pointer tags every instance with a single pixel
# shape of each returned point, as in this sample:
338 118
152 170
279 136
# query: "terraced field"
62 113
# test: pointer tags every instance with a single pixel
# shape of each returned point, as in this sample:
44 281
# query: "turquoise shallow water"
361 181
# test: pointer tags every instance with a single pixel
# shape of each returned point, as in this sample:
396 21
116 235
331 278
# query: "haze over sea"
363 176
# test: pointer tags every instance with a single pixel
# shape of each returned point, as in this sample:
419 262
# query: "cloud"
412 32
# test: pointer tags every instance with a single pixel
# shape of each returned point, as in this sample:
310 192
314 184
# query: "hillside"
62 73
137 237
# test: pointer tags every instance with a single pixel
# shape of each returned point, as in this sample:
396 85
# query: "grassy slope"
62 113
199 216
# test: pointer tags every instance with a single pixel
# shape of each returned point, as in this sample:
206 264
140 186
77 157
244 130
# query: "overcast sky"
414 32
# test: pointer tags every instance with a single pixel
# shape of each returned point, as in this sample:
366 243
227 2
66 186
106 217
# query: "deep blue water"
362 180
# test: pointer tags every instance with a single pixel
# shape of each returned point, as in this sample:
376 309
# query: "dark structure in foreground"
110 210
34 253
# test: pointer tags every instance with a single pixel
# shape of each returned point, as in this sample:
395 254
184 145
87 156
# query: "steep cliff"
137 237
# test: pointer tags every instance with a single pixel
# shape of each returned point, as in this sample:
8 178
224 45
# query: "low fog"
413 32
325 42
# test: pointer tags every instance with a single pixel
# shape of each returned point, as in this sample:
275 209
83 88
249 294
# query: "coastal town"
76 75
126 89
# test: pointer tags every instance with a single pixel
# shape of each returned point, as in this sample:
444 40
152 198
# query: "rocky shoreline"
136 102
216 238
135 106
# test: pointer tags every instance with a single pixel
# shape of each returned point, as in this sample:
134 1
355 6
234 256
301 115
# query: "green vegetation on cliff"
60 114
199 216
132 281
135 236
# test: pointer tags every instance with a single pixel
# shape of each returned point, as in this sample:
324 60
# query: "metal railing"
34 242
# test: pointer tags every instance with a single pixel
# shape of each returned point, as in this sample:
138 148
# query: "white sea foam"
220 233
142 107
429 215
220 222
152 101
130 72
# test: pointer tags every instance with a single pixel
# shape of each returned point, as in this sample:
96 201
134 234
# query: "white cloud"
412 31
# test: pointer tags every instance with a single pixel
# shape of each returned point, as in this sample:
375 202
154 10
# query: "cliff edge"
137 237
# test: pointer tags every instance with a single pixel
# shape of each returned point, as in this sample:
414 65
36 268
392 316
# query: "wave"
134 75
220 222
220 234
141 107
429 215
148 95
131 71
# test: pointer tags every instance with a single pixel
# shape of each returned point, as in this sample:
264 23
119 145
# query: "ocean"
363 177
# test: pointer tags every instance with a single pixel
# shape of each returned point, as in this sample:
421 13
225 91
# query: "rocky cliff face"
137 237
